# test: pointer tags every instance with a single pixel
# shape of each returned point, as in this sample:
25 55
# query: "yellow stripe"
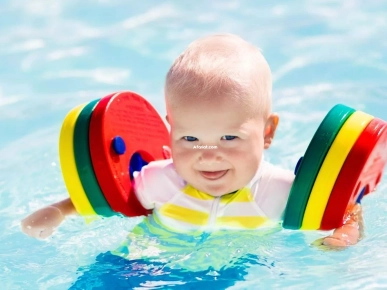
193 192
247 222
242 195
331 167
184 214
68 165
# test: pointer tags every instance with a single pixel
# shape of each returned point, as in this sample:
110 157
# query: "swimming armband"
101 144
343 162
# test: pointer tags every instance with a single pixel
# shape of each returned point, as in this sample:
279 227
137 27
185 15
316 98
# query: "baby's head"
218 94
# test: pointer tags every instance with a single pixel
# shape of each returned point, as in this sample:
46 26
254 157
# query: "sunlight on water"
54 56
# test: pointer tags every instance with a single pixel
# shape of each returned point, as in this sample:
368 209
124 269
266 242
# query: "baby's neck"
232 192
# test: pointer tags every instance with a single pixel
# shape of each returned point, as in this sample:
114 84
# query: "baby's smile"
213 175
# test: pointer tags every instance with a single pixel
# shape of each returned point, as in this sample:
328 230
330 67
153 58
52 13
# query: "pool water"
56 55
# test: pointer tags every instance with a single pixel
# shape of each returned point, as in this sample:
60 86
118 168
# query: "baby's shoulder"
157 183
160 171
272 190
158 166
275 176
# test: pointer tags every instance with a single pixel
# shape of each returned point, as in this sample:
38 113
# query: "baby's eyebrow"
235 129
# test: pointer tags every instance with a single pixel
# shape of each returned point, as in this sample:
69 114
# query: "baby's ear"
270 128
167 153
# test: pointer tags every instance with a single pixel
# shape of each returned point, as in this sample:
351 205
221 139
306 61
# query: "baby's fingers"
334 242
30 228
42 223
328 244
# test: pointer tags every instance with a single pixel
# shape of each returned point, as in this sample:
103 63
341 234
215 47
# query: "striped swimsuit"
179 206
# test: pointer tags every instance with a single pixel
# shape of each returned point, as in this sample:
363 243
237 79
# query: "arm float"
343 162
101 144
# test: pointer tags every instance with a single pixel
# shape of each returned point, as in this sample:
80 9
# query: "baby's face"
234 142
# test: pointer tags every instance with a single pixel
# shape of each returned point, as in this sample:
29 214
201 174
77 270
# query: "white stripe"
240 209
177 225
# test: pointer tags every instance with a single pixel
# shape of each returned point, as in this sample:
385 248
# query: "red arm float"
362 169
131 120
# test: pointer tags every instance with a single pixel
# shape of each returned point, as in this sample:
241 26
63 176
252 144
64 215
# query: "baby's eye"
228 137
190 138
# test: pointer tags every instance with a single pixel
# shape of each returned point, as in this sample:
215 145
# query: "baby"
218 99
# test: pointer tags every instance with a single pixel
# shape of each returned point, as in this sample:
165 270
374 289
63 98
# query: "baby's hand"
348 234
42 223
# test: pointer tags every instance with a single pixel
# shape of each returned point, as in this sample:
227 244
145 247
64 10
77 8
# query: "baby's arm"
42 223
272 196
350 233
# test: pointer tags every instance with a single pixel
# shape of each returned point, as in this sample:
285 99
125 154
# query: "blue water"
55 55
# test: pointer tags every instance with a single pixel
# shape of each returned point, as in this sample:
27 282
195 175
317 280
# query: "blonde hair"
221 65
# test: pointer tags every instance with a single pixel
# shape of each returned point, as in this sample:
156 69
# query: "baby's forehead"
216 100
219 111
213 101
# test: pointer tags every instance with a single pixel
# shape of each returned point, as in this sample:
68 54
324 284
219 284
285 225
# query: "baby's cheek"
241 154
182 156
247 162
183 162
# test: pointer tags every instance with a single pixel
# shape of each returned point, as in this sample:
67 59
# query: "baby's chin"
219 187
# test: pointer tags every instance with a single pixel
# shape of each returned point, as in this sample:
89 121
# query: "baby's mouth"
213 175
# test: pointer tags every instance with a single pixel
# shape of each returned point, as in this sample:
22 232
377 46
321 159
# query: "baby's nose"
209 157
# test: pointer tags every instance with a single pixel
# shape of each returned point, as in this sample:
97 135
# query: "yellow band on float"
331 167
68 165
